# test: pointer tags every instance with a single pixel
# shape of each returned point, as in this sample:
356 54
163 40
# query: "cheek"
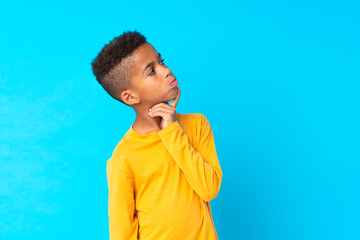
147 92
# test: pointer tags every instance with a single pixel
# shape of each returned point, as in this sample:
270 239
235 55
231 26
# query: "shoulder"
119 156
192 118
193 123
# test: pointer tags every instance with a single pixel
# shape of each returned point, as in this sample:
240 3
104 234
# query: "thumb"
176 99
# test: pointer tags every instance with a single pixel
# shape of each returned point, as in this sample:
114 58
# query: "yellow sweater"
160 183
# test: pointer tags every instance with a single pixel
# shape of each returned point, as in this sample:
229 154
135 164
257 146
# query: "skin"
151 92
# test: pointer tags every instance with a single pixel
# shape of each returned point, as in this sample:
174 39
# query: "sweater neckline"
143 137
147 137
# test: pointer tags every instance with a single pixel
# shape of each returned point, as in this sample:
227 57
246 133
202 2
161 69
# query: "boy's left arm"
201 168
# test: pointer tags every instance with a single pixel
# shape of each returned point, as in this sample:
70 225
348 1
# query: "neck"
144 123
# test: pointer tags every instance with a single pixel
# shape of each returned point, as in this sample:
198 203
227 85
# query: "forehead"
144 55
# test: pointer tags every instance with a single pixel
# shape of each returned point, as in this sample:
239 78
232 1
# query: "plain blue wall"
278 81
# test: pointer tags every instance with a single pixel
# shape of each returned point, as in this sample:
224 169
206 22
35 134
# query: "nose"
167 72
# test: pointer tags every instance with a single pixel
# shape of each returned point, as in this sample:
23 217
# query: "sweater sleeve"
123 223
201 168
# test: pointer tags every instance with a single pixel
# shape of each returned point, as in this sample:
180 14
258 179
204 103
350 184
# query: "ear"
129 97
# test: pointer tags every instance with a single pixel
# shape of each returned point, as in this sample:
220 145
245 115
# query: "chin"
169 97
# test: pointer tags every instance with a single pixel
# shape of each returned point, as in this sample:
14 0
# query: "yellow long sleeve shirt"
161 183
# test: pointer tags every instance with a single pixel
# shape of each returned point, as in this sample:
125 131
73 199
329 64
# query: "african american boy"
165 170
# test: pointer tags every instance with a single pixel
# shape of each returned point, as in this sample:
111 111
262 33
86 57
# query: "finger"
161 113
161 105
176 99
162 109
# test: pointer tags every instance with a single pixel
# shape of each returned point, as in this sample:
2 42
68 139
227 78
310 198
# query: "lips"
173 81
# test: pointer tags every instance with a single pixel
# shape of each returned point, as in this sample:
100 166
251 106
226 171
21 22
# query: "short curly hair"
110 66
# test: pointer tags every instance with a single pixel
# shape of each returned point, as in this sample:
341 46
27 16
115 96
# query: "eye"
162 61
151 72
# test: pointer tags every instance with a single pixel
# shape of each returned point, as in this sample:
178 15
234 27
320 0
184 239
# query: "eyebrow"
151 63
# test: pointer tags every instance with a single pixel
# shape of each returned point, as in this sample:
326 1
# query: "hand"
166 111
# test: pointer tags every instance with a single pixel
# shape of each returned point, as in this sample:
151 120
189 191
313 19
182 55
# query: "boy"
165 169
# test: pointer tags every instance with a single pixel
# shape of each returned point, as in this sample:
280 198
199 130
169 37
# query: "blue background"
277 80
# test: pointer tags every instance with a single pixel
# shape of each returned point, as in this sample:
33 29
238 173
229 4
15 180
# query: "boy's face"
151 78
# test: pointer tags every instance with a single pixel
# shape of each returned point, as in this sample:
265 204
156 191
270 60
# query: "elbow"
210 194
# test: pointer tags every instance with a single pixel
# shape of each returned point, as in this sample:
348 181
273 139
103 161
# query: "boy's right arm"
123 223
